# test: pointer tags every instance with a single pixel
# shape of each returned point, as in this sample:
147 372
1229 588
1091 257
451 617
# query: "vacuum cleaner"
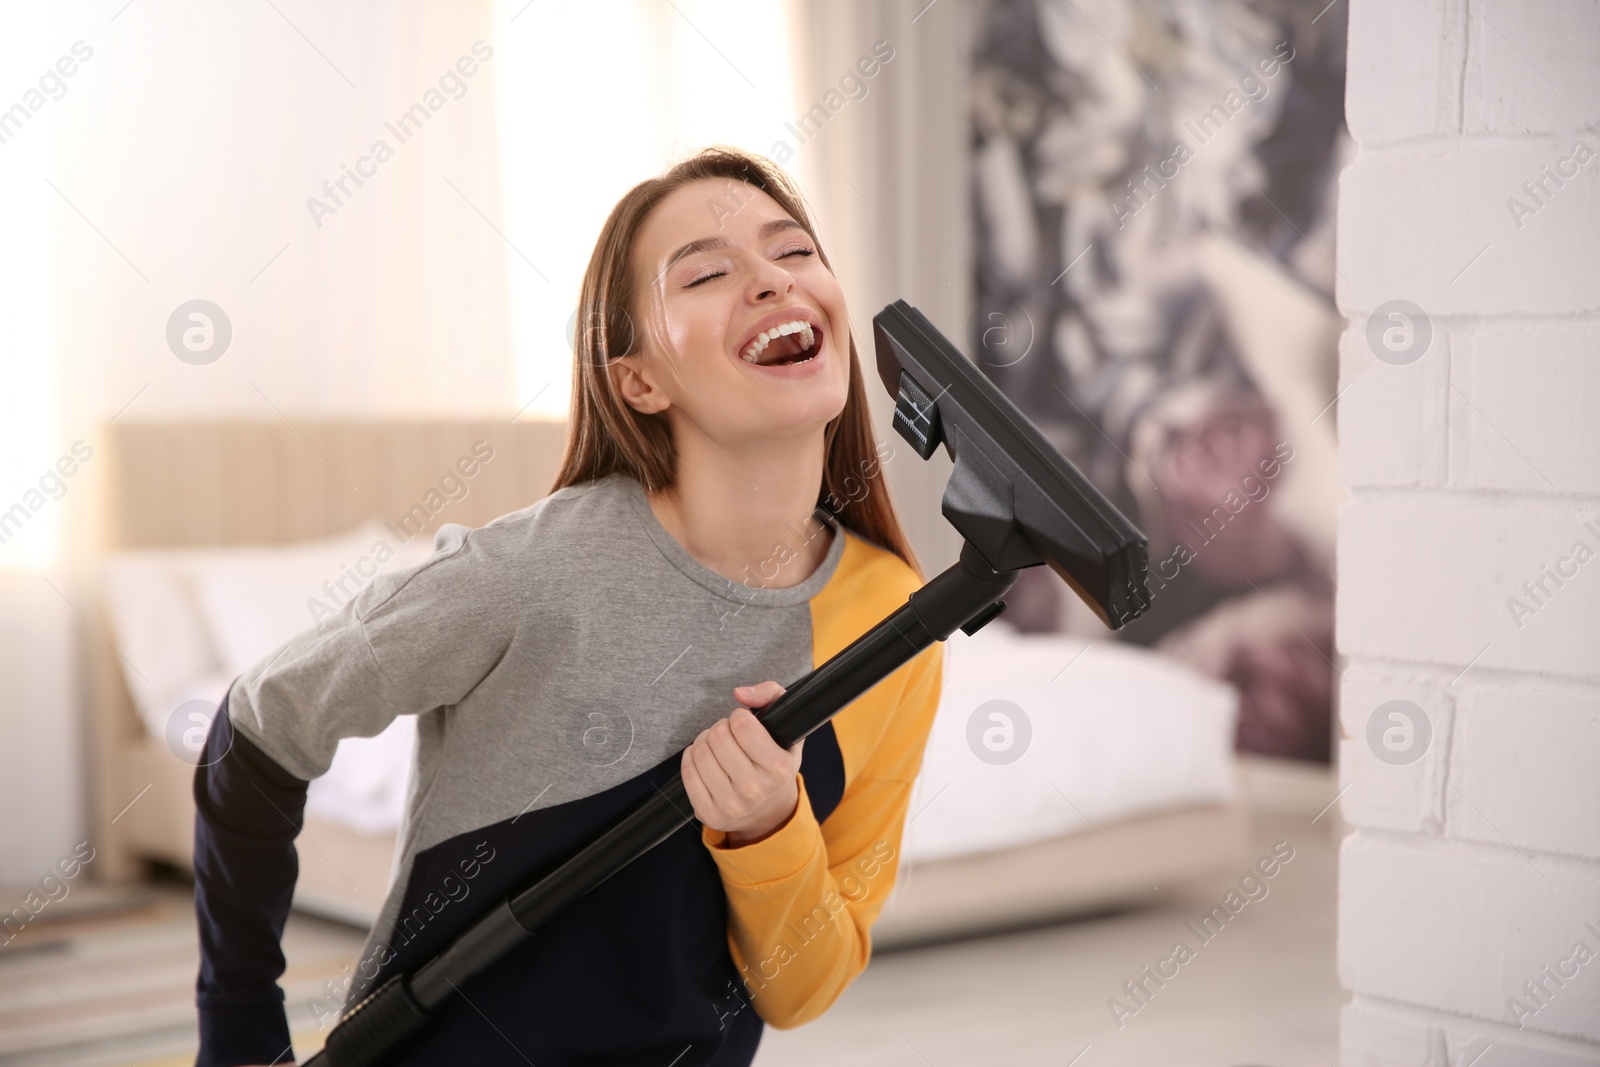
1017 503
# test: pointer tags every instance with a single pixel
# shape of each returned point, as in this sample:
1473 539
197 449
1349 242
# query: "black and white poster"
1154 184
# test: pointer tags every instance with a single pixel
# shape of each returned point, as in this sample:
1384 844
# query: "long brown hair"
605 433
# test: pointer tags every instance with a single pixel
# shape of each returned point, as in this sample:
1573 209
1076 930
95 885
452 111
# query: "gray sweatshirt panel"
554 653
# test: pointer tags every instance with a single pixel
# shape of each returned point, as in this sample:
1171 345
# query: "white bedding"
1116 731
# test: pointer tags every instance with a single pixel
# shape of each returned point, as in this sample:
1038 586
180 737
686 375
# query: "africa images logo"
1399 732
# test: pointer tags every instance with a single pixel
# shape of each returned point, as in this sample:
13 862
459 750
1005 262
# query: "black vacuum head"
1012 495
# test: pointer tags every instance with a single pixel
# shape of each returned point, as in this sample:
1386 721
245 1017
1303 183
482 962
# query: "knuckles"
749 792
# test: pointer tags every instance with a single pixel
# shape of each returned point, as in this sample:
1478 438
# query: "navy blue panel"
247 813
638 972
635 972
822 767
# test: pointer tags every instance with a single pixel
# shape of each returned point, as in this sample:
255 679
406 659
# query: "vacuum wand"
400 1010
1017 503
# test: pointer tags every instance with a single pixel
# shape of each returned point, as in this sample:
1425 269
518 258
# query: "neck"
748 514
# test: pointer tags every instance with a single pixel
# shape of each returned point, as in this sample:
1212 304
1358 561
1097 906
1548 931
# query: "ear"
632 382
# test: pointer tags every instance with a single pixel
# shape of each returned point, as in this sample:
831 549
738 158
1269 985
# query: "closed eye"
717 274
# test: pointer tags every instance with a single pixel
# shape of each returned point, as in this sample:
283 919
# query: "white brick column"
1469 554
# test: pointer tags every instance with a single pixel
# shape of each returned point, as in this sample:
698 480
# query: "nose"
770 279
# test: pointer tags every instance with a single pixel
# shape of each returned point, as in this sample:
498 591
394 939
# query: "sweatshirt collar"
752 590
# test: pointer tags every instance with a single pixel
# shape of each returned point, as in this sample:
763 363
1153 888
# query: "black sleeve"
248 811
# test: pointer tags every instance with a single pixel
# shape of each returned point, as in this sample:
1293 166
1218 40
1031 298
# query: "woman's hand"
739 779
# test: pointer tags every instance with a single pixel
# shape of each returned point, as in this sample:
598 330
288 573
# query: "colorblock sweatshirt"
557 661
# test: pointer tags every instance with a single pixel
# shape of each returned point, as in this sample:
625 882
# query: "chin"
798 415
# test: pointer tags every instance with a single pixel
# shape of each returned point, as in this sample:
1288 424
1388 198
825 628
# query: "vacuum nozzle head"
1012 495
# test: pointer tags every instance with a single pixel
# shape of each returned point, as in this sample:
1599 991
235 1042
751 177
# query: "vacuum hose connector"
376 1029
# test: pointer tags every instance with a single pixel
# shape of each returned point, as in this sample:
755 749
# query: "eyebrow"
705 244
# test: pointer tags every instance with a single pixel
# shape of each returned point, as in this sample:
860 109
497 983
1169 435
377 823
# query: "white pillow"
157 628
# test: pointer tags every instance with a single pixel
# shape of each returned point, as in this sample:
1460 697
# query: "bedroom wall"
1469 587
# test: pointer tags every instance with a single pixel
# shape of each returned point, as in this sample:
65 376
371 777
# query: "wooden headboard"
241 482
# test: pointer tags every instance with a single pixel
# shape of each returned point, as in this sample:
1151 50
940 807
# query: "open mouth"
786 345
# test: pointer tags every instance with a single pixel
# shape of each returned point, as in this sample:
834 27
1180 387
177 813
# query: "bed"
1062 776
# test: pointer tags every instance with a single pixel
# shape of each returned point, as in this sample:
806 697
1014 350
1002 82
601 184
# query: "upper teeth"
759 345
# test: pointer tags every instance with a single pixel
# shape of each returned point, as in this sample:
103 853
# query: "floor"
1263 992
106 977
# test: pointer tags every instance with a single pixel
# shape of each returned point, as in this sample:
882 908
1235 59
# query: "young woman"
720 522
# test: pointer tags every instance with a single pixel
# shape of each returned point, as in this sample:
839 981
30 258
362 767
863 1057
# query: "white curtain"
29 421
596 97
890 176
207 152
40 773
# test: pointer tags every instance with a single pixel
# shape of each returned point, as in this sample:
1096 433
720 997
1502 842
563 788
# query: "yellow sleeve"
801 902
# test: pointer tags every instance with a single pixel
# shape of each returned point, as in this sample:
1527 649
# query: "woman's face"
717 264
